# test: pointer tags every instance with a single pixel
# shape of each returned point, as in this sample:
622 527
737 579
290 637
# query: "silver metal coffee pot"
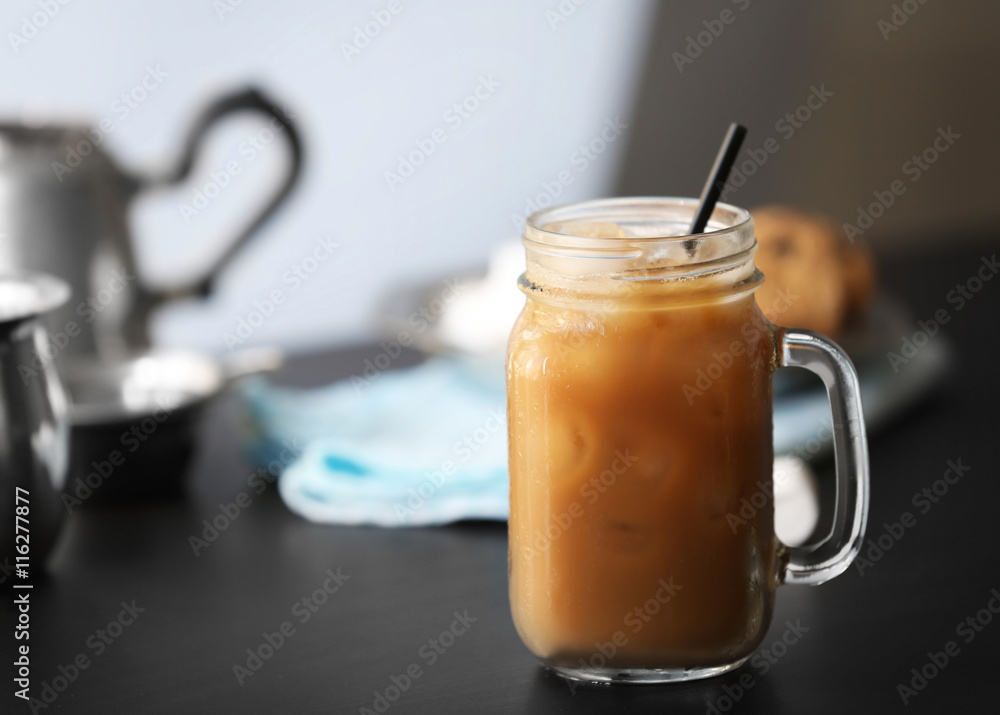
64 205
34 433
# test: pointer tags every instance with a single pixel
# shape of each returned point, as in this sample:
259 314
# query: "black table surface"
860 634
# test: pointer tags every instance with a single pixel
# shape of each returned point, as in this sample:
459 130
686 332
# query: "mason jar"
639 411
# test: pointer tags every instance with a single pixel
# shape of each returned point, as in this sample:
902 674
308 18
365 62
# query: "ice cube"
587 229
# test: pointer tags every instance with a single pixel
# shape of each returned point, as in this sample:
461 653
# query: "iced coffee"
639 407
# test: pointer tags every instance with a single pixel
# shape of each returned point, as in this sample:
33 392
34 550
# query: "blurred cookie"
806 281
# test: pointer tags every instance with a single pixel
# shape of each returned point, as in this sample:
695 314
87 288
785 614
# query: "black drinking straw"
716 180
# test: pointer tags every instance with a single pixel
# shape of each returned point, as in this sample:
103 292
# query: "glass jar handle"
816 563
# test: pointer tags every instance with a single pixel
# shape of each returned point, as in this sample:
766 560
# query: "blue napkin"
424 445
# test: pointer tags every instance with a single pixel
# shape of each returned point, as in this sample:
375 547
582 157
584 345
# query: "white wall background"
558 82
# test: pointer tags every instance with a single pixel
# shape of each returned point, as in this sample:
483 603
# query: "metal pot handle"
246 100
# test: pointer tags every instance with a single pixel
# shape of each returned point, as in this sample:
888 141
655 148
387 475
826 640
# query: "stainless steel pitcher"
34 433
64 211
